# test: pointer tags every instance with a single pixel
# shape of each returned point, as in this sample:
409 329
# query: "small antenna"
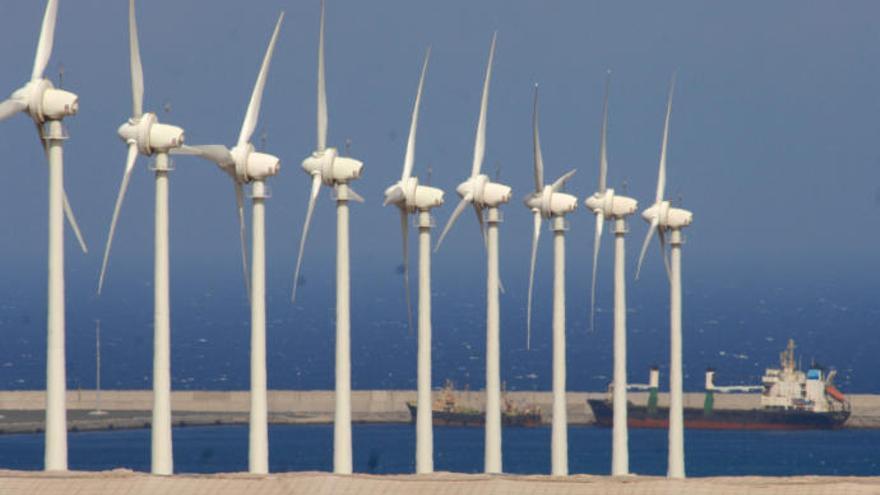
264 136
430 173
625 186
98 411
348 147
60 75
166 107
497 171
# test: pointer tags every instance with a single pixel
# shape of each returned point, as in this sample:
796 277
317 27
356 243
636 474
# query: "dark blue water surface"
391 449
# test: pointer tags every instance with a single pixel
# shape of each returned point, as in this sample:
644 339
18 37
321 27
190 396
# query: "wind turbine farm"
337 379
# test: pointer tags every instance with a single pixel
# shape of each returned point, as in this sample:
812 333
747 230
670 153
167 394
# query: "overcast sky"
773 136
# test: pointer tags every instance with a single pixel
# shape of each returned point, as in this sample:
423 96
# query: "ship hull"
477 418
722 419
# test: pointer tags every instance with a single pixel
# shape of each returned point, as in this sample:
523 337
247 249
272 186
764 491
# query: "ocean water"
391 449
733 324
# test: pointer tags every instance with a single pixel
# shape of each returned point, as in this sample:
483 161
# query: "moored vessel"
446 412
791 399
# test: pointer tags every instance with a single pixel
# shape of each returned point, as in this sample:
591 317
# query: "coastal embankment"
134 483
22 411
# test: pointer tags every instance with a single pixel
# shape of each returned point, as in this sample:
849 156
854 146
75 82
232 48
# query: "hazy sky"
773 134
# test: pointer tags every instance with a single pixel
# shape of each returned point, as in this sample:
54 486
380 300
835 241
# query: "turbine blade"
603 147
354 196
536 234
10 107
395 196
480 142
600 223
322 88
137 70
662 235
47 38
253 111
216 153
313 196
455 214
481 221
126 176
68 211
410 156
404 230
239 201
71 219
536 141
556 186
482 224
661 178
654 222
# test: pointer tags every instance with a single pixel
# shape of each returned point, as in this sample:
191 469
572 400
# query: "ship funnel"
710 379
654 378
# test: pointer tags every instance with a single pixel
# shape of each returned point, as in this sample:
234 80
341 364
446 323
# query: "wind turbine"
246 166
607 205
410 197
481 193
663 218
324 165
547 202
145 135
47 105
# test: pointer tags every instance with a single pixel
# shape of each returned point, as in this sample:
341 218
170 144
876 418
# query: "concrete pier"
22 411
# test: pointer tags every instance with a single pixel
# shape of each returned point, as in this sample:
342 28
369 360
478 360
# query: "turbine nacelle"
150 135
252 165
427 197
484 192
667 217
611 205
332 167
45 102
407 193
551 203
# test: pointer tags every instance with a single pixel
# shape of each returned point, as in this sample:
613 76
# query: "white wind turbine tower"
547 202
145 135
246 166
607 205
324 165
47 105
482 193
411 197
664 218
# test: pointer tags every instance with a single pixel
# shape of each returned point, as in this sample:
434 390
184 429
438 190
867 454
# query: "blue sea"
734 323
391 449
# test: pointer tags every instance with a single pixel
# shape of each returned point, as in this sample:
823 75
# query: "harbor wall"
380 405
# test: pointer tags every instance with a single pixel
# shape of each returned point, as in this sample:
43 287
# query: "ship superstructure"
447 412
790 399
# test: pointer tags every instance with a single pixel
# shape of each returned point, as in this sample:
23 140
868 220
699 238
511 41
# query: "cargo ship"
446 412
791 399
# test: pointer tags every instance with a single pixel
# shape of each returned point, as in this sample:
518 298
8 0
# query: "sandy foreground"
132 483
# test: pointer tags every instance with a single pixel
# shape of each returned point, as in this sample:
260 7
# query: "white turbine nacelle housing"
611 205
150 135
484 192
654 378
262 165
667 216
251 165
551 203
332 167
710 379
427 197
44 102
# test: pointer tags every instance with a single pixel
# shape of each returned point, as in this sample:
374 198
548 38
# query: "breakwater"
22 411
